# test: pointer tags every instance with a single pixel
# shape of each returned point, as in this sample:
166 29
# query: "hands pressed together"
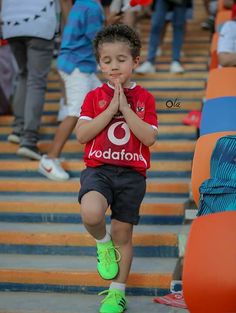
119 102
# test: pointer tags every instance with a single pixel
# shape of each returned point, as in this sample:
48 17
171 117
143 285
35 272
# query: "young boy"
77 67
117 123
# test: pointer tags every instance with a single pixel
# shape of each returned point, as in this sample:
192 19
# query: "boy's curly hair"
118 32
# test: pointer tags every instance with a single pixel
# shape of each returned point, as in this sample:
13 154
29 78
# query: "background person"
30 29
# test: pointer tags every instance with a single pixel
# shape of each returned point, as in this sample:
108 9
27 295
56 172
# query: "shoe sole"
106 311
27 153
42 171
13 139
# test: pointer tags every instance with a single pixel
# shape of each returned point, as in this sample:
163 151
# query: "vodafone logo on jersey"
119 141
119 135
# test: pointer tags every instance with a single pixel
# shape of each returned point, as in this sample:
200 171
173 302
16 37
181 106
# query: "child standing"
77 67
117 123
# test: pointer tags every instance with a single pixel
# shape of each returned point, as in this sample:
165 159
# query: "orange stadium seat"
213 51
209 276
221 83
221 18
220 6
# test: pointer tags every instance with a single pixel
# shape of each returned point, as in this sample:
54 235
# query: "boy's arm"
145 132
66 6
86 130
142 130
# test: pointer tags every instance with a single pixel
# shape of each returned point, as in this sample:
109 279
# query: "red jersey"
116 144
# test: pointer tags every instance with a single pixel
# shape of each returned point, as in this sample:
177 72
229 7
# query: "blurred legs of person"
169 17
8 71
63 108
178 26
77 85
106 6
33 57
157 25
129 16
208 24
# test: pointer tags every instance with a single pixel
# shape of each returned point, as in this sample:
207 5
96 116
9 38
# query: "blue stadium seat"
218 115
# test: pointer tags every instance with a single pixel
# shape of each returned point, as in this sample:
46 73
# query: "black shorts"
123 188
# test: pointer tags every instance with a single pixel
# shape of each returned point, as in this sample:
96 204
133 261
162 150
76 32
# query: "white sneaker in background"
30 152
14 138
51 168
176 68
146 67
63 110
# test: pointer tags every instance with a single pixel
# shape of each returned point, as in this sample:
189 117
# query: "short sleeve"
87 109
150 111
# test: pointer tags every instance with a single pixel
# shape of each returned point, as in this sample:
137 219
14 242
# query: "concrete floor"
23 302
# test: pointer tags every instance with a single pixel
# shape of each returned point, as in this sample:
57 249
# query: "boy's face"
116 62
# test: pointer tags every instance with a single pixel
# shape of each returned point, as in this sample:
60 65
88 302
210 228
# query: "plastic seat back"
218 115
214 58
221 83
209 276
222 17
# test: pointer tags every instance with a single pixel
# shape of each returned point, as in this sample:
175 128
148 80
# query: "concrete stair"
38 302
43 245
163 211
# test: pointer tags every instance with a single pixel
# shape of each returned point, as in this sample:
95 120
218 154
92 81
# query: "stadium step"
53 302
165 132
162 211
71 239
166 187
78 274
22 168
165 149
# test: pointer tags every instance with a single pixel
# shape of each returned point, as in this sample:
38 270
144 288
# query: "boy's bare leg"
62 133
121 234
93 208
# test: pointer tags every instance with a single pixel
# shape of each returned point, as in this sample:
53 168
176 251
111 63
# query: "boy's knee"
91 218
121 232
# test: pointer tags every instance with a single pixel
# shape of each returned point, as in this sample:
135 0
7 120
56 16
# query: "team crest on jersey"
140 109
102 103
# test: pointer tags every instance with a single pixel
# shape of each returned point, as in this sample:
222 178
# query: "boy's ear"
136 61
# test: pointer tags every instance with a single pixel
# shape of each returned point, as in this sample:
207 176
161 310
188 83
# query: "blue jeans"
157 25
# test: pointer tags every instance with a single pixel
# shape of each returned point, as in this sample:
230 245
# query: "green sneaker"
108 257
114 302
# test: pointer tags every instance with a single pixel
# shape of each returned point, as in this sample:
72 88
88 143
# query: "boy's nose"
114 65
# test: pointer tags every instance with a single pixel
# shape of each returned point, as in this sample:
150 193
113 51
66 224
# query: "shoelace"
106 258
111 294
